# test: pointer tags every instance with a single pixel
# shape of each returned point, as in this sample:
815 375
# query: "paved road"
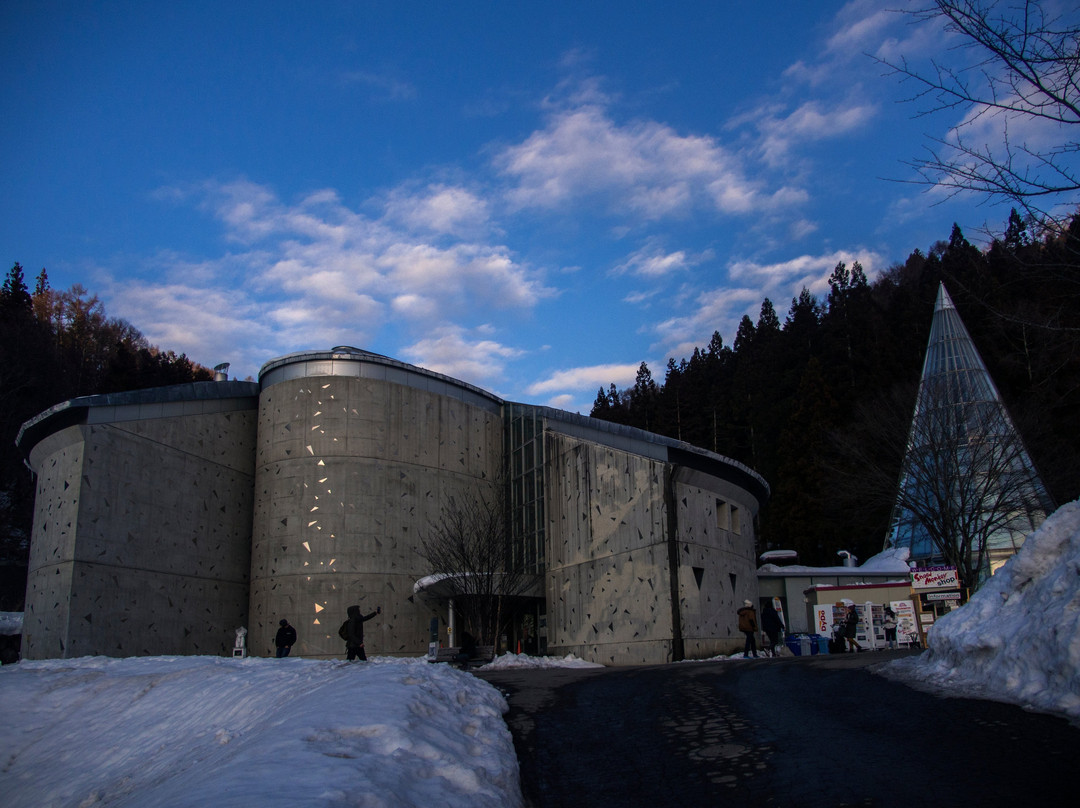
794 731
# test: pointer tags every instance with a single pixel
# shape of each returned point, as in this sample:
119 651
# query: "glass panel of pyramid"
966 471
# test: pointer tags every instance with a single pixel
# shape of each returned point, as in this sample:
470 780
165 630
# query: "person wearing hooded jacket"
748 625
285 639
352 631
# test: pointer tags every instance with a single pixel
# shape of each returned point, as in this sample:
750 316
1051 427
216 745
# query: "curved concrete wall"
142 528
353 463
628 580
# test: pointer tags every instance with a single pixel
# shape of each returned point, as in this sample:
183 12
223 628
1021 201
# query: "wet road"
794 731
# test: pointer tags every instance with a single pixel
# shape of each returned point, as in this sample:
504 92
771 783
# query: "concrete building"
167 518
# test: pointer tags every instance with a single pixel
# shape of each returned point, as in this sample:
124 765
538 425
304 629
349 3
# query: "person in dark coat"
851 628
352 631
772 625
285 639
889 624
748 625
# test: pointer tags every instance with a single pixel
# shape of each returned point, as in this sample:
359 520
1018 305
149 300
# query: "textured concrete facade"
142 531
351 471
638 571
167 518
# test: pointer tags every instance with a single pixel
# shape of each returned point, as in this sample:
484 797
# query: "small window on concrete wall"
723 515
727 516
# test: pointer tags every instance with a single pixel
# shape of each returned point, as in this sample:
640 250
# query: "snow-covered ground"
186 731
183 731
1018 638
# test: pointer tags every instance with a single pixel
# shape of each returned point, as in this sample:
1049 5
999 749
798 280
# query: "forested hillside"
813 401
55 346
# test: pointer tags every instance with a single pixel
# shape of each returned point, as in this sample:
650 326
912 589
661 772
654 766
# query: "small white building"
791 582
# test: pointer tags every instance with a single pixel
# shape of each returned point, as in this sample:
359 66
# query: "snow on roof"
888 562
11 622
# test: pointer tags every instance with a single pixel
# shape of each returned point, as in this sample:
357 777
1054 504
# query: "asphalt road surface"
794 731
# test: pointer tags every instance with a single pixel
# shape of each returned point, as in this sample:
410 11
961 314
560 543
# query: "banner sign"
907 629
823 618
935 578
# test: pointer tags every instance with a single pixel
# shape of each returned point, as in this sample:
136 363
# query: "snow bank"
507 661
183 731
1018 638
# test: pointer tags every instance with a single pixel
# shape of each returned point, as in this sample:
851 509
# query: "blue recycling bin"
800 645
821 644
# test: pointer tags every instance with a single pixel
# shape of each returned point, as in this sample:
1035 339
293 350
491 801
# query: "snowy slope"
187 731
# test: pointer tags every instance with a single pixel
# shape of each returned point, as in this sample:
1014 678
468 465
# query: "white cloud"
785 279
438 208
316 272
812 120
721 308
592 377
651 261
644 168
452 351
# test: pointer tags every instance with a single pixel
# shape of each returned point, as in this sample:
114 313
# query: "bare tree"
1019 64
469 547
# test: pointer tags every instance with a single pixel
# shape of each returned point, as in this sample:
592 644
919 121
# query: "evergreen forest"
54 346
820 403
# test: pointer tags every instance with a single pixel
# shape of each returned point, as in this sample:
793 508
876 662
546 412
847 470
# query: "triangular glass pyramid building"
967 482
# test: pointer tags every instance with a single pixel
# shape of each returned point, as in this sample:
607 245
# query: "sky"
533 198
177 731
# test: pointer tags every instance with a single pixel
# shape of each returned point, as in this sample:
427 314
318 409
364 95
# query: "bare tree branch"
1022 65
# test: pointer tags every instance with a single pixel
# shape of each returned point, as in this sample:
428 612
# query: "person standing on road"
772 625
748 625
285 639
851 628
889 624
352 631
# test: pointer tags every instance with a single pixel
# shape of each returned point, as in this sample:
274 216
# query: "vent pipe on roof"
221 372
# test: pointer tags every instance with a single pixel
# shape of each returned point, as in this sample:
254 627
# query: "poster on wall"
907 629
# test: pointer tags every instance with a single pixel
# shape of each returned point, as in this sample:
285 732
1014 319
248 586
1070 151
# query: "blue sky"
534 198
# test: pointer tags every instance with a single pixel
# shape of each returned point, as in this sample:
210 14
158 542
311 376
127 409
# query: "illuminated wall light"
313 522
314 509
315 622
320 463
318 608
332 560
317 414
326 385
310 450
314 427
307 564
324 479
307 547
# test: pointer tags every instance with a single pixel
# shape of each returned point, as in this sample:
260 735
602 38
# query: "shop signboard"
943 596
935 578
